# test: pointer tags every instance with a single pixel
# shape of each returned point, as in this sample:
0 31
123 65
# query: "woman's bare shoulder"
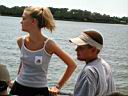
51 46
19 41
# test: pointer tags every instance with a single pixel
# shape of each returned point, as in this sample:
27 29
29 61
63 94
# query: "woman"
36 51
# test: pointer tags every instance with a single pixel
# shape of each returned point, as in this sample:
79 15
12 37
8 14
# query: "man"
4 80
96 77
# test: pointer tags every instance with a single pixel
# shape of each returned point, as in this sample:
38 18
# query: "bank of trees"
70 15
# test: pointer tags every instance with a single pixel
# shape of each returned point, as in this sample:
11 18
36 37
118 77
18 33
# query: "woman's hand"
54 90
10 84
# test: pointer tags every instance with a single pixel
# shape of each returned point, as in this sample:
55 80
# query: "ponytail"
48 18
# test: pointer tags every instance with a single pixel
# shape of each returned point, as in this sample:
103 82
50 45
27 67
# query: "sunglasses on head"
3 85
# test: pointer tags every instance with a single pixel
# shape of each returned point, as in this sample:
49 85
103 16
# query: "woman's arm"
71 65
19 42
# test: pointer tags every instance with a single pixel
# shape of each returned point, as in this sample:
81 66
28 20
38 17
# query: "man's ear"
94 49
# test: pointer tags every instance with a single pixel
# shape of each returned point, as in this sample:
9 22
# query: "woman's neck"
35 35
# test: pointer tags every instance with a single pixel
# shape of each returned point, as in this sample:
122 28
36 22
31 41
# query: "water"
114 51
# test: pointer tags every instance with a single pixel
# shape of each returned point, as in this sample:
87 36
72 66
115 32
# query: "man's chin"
80 59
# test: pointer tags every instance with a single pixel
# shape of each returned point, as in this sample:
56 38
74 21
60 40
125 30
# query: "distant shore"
68 15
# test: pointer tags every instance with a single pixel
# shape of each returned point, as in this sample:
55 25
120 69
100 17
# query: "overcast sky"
109 7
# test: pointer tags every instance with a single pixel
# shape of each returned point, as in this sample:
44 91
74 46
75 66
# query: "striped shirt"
95 79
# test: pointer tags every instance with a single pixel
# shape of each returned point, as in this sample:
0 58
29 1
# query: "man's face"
84 52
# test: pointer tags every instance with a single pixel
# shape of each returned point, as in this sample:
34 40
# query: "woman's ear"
34 21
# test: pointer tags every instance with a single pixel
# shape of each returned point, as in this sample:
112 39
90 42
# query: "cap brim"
77 41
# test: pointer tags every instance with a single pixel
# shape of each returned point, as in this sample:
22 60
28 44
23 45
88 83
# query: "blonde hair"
43 15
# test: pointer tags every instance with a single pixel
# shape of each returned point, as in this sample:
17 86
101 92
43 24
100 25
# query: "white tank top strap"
45 47
23 38
45 42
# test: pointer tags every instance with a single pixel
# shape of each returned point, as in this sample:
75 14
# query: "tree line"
69 15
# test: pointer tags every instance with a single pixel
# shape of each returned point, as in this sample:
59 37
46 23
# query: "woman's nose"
21 21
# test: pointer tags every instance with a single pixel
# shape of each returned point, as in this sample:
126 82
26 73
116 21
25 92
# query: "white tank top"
33 72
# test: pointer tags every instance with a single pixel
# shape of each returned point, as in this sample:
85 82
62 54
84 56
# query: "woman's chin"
24 30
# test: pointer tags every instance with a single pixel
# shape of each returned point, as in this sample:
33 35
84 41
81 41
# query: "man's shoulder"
90 71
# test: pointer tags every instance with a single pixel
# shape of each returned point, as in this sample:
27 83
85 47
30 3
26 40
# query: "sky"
117 8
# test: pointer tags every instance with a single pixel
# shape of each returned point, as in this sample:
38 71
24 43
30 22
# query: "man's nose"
77 49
